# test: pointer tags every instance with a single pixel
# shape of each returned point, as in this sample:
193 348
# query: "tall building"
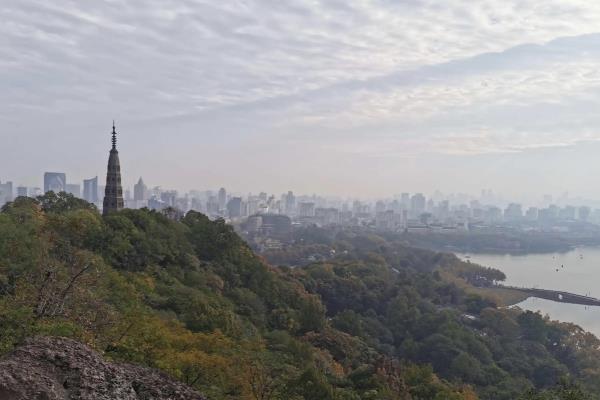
417 204
90 190
306 209
222 196
583 213
22 191
113 193
55 182
405 201
6 192
513 212
290 203
140 191
234 207
73 189
169 197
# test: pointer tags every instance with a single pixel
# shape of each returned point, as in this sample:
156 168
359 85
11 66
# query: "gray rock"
53 368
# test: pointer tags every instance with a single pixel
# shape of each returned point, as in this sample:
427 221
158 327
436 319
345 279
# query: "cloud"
363 77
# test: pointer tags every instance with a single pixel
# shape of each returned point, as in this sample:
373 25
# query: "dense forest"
375 320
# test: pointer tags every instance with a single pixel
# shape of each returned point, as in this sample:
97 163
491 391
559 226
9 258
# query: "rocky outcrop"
52 368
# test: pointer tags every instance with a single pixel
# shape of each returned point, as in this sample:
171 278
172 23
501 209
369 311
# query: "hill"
188 296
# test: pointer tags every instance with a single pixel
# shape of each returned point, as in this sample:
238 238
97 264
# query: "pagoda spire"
114 137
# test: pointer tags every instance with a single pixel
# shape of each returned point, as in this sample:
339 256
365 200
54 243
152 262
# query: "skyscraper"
290 203
55 182
22 191
90 190
6 192
222 198
417 204
234 207
140 191
113 193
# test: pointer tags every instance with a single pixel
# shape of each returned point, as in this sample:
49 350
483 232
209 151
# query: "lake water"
577 271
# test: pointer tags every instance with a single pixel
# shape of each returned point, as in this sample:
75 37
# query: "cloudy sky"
349 97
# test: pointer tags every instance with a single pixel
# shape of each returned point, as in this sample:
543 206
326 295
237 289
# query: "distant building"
197 204
154 203
55 182
328 216
182 204
140 191
276 226
417 204
513 212
567 213
90 190
290 203
583 213
405 201
532 214
6 192
22 191
73 189
222 198
169 197
306 209
113 193
234 207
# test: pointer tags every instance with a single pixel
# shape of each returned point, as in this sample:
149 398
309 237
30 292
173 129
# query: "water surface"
577 271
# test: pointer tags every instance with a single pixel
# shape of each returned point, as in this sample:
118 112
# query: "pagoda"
113 193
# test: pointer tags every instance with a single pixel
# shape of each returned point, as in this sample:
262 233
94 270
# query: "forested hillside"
375 321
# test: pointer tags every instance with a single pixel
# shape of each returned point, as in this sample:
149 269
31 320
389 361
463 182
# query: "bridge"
557 295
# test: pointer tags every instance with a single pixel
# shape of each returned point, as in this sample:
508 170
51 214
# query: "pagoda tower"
113 193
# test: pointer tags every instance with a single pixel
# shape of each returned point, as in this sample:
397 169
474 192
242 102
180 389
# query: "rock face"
51 368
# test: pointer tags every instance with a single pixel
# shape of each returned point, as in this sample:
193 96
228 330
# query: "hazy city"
403 212
299 200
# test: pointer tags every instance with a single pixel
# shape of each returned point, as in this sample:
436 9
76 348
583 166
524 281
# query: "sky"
340 97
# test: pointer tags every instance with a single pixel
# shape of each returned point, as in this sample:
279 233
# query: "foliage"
188 296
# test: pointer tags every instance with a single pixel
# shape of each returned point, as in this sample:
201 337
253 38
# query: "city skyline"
133 192
337 97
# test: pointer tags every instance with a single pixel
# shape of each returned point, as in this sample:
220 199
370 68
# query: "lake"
577 271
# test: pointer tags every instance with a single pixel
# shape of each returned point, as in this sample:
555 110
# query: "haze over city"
352 98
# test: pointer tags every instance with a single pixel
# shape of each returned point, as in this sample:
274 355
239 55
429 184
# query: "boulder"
55 368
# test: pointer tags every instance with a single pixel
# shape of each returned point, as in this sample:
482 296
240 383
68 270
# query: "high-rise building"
169 197
90 190
6 192
405 201
306 209
290 203
513 212
22 191
73 189
532 214
55 182
113 193
583 213
417 204
140 191
222 196
212 206
234 207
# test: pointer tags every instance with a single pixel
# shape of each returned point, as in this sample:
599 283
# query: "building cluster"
411 212
273 216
